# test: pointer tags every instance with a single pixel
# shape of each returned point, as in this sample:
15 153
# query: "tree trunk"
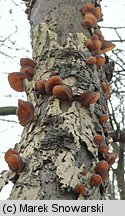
119 172
58 146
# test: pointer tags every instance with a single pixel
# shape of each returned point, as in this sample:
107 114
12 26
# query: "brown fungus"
28 70
25 112
62 92
40 87
15 80
51 82
89 97
24 62
95 180
15 163
101 166
89 21
80 189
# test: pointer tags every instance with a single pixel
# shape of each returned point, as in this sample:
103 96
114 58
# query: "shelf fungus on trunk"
103 118
28 70
91 60
14 160
98 139
88 97
89 21
95 180
110 157
62 92
103 148
25 112
10 152
24 62
107 46
40 87
80 189
101 166
15 80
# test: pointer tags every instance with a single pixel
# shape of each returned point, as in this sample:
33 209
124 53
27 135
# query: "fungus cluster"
53 86
91 14
98 60
109 157
97 45
15 79
25 109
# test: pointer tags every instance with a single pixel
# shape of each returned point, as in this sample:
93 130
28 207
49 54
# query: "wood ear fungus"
24 62
97 44
100 61
107 46
99 34
25 112
93 44
15 163
98 13
40 87
89 44
104 175
87 8
110 158
10 152
94 37
28 70
80 189
103 118
101 166
62 92
89 97
105 86
107 95
91 60
95 180
103 148
89 21
98 139
51 82
15 80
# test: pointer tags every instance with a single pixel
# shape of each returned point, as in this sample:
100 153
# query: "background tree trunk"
59 145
